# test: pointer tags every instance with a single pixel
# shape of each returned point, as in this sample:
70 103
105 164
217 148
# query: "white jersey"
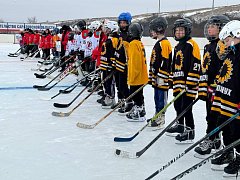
83 37
91 43
70 47
77 37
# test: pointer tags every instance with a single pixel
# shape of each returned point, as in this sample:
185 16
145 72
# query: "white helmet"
231 29
112 25
95 25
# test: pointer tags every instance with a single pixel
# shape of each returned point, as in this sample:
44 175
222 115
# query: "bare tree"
1 20
32 19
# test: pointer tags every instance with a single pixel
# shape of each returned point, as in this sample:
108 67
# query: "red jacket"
48 42
42 42
36 39
64 40
26 38
30 40
96 54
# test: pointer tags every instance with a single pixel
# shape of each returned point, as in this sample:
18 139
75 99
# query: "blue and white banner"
19 26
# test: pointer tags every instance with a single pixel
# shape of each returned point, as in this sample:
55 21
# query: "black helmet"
218 20
81 24
158 25
183 22
70 36
135 30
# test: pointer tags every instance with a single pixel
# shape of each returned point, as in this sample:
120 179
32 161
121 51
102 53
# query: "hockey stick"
58 105
73 86
42 76
194 145
127 154
61 114
15 52
62 75
86 126
22 59
14 55
194 167
127 139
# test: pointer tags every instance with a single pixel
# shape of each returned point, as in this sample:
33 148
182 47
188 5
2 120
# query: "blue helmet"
56 30
125 16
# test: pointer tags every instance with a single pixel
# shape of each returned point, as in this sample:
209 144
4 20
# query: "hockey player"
64 40
42 42
26 41
137 72
81 36
185 70
47 44
124 20
55 43
97 26
211 65
107 60
30 42
70 49
36 41
226 101
160 65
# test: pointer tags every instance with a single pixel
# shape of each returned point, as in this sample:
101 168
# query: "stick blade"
125 154
85 126
122 139
60 105
60 114
43 89
40 76
65 91
37 86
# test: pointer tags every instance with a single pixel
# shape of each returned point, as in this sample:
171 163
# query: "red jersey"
48 42
26 38
65 40
36 39
30 40
42 42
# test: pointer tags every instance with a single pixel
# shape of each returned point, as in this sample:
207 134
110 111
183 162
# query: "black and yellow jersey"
186 68
211 65
160 64
137 66
121 55
227 93
107 60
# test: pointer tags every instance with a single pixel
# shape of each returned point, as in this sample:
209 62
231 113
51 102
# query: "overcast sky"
53 10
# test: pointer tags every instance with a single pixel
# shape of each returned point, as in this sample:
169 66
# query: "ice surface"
34 145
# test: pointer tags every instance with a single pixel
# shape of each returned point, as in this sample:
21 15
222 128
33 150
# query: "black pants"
109 84
211 118
235 127
28 49
181 104
138 98
47 54
34 50
62 51
121 83
227 132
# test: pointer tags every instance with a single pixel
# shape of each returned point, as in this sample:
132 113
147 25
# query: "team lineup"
108 58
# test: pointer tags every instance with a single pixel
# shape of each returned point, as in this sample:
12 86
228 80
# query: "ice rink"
34 145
